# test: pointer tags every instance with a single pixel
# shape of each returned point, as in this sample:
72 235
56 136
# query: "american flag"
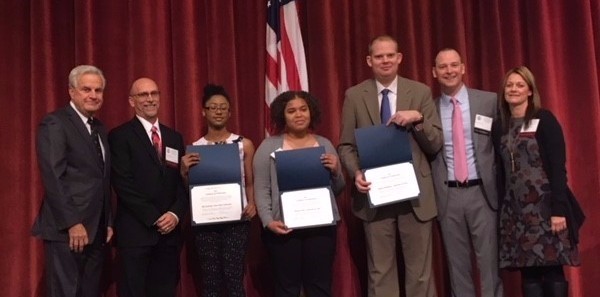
286 64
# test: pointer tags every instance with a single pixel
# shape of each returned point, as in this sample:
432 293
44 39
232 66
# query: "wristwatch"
418 125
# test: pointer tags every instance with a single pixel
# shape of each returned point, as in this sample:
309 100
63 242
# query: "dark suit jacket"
361 109
480 103
76 190
146 187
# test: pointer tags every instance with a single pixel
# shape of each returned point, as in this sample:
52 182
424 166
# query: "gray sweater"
266 191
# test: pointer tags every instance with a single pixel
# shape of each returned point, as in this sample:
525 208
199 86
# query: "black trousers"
149 271
71 274
302 259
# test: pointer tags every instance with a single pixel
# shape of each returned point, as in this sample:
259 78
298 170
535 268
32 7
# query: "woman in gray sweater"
300 258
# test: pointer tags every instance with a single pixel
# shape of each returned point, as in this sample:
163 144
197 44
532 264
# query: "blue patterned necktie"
385 112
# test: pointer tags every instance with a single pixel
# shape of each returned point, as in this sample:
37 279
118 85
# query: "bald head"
144 97
141 83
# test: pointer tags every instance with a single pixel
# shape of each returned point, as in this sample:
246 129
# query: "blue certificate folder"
382 145
219 164
301 169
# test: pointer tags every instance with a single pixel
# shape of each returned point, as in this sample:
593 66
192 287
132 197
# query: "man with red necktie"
151 197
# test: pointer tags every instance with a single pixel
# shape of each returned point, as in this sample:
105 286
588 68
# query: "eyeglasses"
213 108
149 95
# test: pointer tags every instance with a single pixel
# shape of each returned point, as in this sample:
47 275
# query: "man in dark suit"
152 199
415 110
74 220
467 201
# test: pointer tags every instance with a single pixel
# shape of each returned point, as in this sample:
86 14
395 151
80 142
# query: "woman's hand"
249 211
558 224
331 162
278 228
187 161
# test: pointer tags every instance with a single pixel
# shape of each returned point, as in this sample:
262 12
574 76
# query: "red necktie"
156 142
458 142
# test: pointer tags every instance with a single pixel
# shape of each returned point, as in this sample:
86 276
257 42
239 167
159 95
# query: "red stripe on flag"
291 69
271 69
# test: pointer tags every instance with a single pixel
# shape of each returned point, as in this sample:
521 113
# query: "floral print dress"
525 235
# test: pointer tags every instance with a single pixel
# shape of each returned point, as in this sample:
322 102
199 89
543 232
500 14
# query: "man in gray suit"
467 205
74 220
414 109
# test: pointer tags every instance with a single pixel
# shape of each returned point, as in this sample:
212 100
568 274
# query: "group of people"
491 170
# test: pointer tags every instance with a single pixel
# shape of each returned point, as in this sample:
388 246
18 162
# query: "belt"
466 184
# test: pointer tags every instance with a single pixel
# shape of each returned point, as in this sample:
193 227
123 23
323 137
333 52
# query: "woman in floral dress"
539 217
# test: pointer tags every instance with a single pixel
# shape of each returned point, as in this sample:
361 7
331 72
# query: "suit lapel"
142 135
443 151
371 102
104 139
167 138
84 133
403 98
474 107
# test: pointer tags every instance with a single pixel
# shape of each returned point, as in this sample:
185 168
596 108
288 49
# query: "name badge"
172 155
483 123
531 128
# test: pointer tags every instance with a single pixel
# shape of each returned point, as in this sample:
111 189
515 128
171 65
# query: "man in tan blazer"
415 110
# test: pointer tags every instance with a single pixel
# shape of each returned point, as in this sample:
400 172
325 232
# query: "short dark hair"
281 101
213 90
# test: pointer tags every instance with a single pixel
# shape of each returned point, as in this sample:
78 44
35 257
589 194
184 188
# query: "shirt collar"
393 87
83 118
462 96
147 125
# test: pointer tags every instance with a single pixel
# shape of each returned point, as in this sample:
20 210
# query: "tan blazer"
361 109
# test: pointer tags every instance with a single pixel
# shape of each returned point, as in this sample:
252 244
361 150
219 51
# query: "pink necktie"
458 141
156 142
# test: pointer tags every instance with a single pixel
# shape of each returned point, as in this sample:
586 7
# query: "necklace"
512 143
296 143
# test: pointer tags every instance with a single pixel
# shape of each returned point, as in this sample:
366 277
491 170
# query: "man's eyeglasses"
149 95
213 108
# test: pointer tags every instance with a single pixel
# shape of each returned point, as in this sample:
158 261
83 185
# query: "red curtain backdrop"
183 44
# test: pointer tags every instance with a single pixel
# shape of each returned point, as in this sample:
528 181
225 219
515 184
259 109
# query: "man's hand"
109 234
78 238
405 117
166 223
361 184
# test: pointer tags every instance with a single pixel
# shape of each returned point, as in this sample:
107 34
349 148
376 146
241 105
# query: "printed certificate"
307 208
216 203
392 183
